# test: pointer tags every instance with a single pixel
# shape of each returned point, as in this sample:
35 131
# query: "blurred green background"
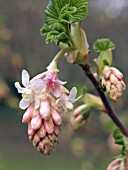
22 47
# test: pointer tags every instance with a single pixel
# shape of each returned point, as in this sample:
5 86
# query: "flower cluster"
118 164
44 97
112 81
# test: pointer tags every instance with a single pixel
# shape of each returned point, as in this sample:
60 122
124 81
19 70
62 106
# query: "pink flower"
52 83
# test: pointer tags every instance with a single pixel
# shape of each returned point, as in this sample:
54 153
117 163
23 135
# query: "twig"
110 111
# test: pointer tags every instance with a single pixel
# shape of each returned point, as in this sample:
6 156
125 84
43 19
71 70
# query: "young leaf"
55 36
45 29
102 45
66 10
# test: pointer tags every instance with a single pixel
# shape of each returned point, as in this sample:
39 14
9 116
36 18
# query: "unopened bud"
36 122
118 164
45 109
79 116
112 81
56 116
49 125
27 115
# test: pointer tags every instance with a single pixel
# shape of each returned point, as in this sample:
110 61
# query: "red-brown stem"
111 113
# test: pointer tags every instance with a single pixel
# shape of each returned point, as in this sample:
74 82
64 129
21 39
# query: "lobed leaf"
102 45
70 10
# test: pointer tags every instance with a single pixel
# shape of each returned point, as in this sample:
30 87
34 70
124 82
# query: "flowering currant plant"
45 98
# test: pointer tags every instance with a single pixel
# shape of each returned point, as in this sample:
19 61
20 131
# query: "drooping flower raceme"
112 81
45 98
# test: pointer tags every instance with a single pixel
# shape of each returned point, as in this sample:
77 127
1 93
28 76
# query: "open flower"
53 84
28 93
66 102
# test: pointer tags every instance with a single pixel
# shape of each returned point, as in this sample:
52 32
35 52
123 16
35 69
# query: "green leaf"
102 45
86 111
118 137
66 11
45 29
55 36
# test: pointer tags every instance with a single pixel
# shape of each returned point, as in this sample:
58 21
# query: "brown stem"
107 105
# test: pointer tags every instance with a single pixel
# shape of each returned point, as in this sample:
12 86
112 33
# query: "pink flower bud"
30 138
49 125
34 113
57 130
31 131
27 115
115 165
40 147
56 116
36 122
112 80
36 139
48 146
107 74
79 116
45 109
52 137
117 73
42 132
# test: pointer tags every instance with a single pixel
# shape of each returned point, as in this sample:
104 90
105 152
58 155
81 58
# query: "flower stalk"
61 53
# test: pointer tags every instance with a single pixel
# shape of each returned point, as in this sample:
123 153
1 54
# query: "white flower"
66 102
27 91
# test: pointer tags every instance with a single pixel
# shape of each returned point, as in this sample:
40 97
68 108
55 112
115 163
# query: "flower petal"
37 85
25 78
61 82
60 102
24 104
57 91
37 102
39 76
19 88
72 94
69 105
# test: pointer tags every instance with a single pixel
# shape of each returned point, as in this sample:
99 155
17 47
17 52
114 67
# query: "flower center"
51 84
28 94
